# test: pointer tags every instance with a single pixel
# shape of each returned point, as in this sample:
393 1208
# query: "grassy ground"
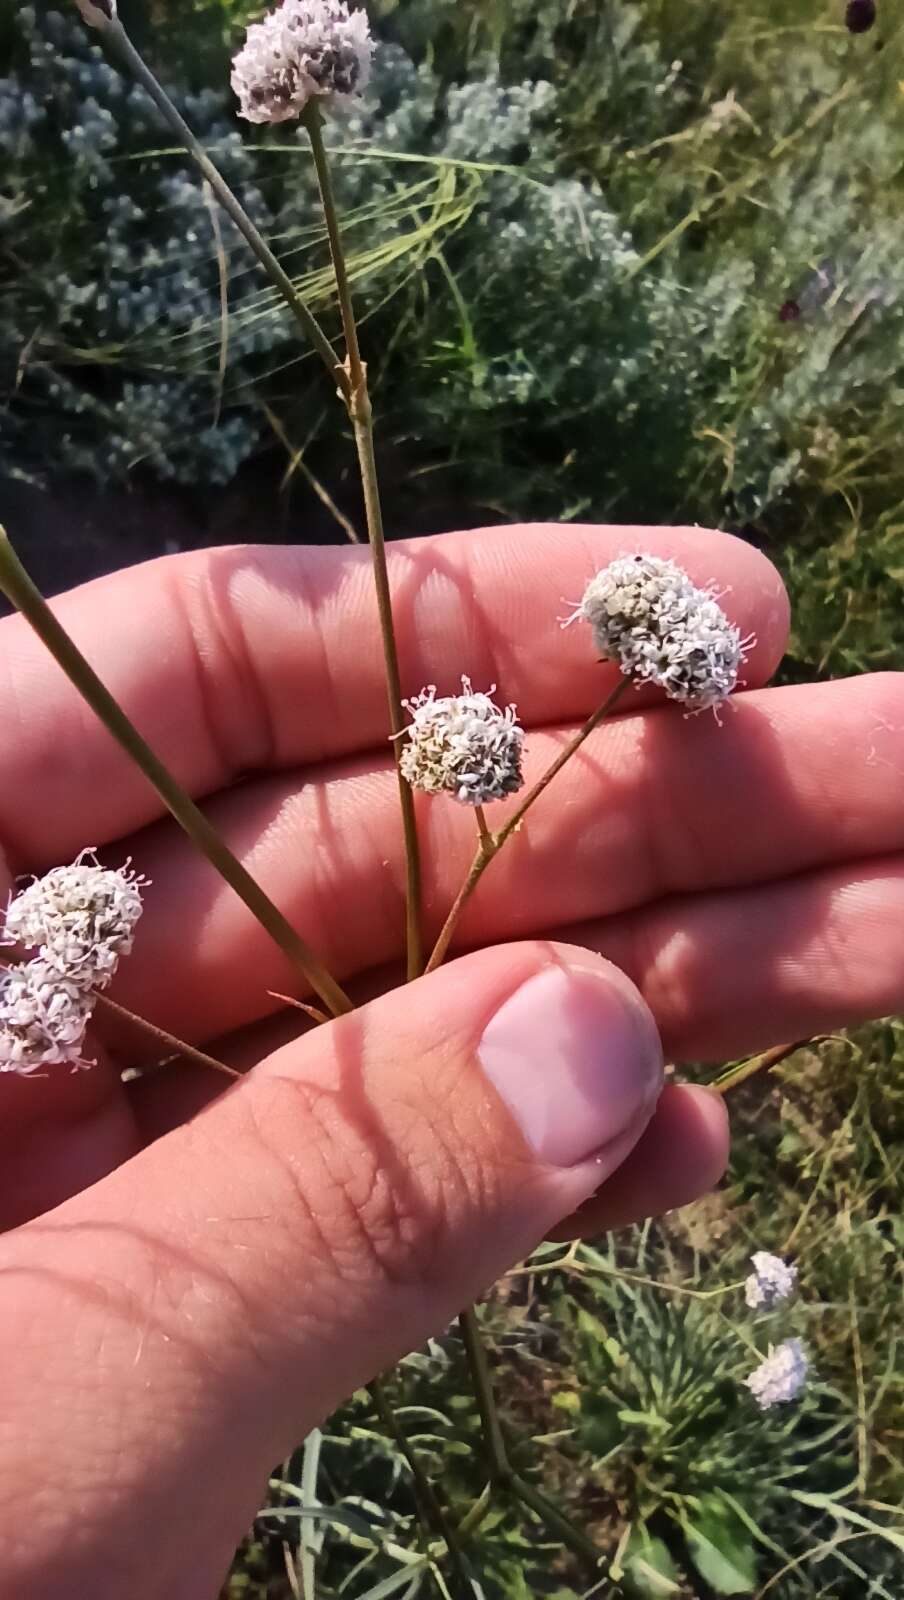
619 1368
715 193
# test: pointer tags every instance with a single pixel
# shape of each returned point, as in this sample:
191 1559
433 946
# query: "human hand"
207 1276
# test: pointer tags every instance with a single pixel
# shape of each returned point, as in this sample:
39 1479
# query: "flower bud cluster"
770 1283
649 616
43 1018
462 745
305 49
79 921
781 1376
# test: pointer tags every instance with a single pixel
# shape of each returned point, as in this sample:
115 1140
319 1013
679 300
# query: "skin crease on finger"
796 782
264 658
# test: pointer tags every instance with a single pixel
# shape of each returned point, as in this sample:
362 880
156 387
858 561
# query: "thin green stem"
313 121
168 1040
498 1461
19 588
501 1472
556 1521
491 843
748 1069
310 327
361 415
431 1509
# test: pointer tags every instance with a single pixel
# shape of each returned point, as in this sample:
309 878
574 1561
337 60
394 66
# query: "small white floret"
462 745
771 1281
781 1377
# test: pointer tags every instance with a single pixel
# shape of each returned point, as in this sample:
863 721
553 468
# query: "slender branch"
431 1509
748 1069
491 843
574 744
310 327
501 1471
482 857
556 1521
313 121
483 827
361 414
169 1040
500 1467
19 588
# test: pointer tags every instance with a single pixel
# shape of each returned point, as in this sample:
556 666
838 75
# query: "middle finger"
654 805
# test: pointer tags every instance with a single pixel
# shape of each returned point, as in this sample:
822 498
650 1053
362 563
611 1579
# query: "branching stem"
748 1069
21 591
490 844
502 1473
168 1040
360 412
310 327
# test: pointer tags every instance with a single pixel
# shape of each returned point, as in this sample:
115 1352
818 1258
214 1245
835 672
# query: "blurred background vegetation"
633 260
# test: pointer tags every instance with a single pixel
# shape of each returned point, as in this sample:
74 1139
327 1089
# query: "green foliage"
713 193
620 1374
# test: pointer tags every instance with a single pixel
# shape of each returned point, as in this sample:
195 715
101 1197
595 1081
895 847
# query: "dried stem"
310 327
169 1040
748 1069
360 411
491 843
18 587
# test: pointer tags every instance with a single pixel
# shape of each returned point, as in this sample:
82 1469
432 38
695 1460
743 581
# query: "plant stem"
430 1507
501 1471
748 1069
169 1040
360 412
310 327
491 843
18 587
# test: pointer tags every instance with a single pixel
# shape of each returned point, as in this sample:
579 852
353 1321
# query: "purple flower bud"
859 15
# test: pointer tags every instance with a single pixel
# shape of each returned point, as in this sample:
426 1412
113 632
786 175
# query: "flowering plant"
645 614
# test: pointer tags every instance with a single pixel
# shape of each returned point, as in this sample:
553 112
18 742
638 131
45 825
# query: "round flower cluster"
770 1282
304 49
43 1018
462 745
80 920
647 615
781 1376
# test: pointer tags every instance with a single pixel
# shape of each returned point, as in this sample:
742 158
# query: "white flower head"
462 745
80 919
43 1018
771 1281
781 1377
649 616
303 49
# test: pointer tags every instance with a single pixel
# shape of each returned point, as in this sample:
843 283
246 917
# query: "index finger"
255 658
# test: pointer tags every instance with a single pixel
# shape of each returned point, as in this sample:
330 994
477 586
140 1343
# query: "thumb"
248 1271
